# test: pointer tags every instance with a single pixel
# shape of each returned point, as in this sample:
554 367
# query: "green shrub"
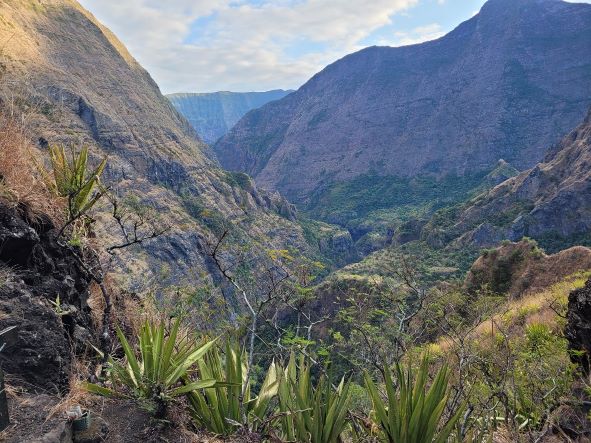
360 400
239 179
543 374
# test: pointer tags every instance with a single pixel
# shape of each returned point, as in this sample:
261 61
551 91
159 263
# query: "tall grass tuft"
21 180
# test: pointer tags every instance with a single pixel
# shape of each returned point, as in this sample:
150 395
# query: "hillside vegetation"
49 76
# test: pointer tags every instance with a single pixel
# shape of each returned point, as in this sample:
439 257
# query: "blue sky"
255 45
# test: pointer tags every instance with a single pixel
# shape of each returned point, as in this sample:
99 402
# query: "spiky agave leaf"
161 363
72 179
412 411
315 414
223 408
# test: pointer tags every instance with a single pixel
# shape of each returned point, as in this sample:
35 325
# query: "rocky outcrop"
408 231
43 293
518 268
578 328
214 114
506 84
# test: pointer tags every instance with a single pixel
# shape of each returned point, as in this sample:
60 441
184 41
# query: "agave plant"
411 412
313 414
73 179
230 404
160 371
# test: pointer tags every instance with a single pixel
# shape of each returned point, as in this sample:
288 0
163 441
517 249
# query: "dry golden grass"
513 317
22 181
13 395
503 435
96 303
80 371
130 311
26 410
77 396
539 307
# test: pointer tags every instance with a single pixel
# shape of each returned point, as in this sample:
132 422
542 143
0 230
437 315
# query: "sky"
258 45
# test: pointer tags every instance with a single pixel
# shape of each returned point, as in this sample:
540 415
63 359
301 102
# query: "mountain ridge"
382 104
213 114
550 202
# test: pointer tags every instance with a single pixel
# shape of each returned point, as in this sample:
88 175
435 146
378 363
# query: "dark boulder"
43 292
578 328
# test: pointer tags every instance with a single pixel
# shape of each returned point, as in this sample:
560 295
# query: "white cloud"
419 35
242 46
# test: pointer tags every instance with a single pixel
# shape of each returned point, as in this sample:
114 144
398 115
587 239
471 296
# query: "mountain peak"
516 3
498 10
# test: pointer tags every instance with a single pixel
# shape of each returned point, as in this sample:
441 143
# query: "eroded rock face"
82 87
578 328
34 271
551 201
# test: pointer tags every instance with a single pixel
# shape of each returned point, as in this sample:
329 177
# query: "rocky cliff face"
43 293
506 84
77 84
212 115
550 202
578 328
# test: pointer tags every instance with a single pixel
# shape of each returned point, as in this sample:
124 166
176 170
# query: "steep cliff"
578 328
43 294
77 84
506 84
213 114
